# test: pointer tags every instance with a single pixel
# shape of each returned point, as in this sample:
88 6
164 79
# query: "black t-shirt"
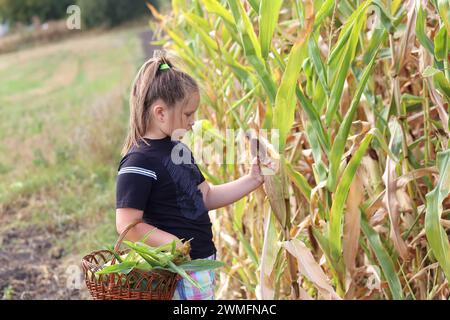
167 191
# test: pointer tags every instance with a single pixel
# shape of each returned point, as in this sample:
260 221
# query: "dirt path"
32 267
147 48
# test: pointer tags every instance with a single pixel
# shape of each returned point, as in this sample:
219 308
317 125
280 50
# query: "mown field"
64 112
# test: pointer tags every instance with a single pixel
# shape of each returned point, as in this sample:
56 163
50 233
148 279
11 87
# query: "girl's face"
182 116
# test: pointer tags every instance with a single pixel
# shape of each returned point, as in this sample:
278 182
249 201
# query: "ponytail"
151 83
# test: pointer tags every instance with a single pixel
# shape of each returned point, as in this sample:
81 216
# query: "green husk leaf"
124 267
201 265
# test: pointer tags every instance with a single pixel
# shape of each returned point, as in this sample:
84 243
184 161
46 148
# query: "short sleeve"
135 178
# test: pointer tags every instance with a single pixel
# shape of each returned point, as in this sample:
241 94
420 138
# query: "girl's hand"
255 171
257 174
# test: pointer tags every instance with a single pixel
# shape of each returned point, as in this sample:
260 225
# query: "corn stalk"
359 92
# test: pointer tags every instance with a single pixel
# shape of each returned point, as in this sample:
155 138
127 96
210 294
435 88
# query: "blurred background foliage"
94 12
24 10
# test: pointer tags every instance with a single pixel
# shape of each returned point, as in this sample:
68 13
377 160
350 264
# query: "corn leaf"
274 186
198 24
340 196
352 225
440 45
115 254
319 168
420 30
314 53
248 249
268 257
314 119
252 48
387 265
390 198
378 37
344 54
325 10
216 7
201 265
238 213
310 268
338 147
436 235
299 180
441 82
176 269
385 18
244 26
444 12
285 102
255 4
124 267
268 19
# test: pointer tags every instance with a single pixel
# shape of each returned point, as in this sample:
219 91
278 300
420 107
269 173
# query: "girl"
171 198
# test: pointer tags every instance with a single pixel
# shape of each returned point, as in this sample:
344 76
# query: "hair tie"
164 66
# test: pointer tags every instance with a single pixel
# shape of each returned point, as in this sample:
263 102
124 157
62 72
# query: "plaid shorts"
206 279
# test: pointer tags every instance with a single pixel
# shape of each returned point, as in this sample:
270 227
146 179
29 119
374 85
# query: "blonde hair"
170 85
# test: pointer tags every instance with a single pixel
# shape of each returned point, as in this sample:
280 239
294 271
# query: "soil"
32 267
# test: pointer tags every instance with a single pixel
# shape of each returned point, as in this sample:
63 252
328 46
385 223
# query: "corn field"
359 207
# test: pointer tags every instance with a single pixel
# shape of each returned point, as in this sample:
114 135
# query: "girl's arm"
126 216
217 196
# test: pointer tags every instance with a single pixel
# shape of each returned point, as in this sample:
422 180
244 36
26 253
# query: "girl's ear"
159 113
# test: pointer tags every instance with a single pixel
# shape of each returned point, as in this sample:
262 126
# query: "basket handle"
117 246
124 233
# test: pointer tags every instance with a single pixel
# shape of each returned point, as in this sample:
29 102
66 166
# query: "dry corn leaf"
391 203
308 266
352 228
268 257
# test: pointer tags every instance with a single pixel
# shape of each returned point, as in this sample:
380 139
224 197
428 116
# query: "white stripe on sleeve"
138 170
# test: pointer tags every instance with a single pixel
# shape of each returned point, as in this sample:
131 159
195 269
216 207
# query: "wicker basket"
136 285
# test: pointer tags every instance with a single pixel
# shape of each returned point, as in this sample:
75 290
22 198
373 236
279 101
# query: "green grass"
64 115
71 95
